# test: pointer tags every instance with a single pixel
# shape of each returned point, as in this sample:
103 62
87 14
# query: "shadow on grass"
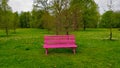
118 29
111 39
27 49
61 50
14 33
92 30
5 35
22 48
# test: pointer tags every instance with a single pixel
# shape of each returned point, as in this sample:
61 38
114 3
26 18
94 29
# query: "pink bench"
59 41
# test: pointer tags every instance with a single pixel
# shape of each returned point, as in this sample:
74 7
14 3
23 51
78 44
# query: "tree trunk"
57 29
67 32
48 30
75 25
6 30
84 26
14 29
110 33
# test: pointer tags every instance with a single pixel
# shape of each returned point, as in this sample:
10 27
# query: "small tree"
107 21
5 16
110 8
15 21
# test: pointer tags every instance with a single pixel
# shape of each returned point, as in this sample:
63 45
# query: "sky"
103 5
26 5
21 5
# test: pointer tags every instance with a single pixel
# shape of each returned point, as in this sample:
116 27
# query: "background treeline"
60 16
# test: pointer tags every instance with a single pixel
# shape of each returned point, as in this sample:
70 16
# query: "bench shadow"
60 50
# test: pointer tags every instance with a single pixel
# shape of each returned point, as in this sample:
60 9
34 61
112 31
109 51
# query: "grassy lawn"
25 50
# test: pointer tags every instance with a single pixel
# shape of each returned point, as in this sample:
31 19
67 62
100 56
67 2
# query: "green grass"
25 50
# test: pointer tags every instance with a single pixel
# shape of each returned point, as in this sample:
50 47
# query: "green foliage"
54 15
48 21
25 19
88 11
116 19
6 13
61 16
110 18
15 21
106 20
36 21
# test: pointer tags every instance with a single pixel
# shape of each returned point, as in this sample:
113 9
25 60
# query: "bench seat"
60 46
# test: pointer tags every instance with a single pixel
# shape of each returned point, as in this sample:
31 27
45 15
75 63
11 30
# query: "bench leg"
46 52
74 49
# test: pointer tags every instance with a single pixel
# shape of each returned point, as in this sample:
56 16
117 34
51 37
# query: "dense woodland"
60 16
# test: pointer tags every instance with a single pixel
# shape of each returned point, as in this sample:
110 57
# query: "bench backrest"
59 39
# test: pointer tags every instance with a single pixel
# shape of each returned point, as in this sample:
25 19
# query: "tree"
110 20
5 16
54 9
90 14
110 8
87 11
62 14
76 8
15 21
107 21
0 12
